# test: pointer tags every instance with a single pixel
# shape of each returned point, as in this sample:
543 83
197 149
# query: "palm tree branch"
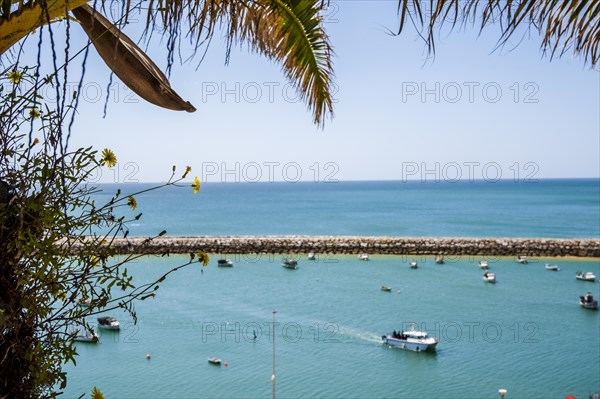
290 32
28 18
563 25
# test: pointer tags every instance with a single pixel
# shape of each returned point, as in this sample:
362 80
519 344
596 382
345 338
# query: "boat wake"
355 334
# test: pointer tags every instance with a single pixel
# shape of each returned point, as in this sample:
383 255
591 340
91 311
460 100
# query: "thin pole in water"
273 375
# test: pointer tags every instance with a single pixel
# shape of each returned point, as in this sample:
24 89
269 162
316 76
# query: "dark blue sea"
568 208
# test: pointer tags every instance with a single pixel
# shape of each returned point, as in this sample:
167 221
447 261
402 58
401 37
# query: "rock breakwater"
551 247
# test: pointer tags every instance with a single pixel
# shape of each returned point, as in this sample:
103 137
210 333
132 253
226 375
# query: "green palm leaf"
289 32
564 26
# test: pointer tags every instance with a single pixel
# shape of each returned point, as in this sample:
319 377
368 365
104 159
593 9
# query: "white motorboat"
86 336
224 263
214 360
439 260
290 264
585 276
522 259
548 266
108 323
483 264
489 277
587 301
363 256
85 303
311 256
418 341
413 265
386 289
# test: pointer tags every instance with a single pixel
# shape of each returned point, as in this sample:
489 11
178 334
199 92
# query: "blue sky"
468 113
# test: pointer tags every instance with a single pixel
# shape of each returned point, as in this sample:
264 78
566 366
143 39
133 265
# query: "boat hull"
591 306
214 361
224 263
86 338
105 327
427 345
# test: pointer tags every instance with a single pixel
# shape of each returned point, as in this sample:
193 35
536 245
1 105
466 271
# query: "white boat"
418 341
85 303
439 260
311 256
522 259
290 264
548 266
483 264
214 360
585 276
224 263
413 265
587 301
489 277
108 323
363 256
86 336
386 289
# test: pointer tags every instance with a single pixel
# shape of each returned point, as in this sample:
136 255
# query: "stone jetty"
450 246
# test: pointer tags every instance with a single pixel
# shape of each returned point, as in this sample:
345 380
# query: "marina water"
526 333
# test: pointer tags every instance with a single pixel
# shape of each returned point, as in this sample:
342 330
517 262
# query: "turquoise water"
526 333
547 208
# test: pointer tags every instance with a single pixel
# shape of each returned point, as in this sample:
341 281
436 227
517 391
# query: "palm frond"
564 26
28 17
289 32
128 61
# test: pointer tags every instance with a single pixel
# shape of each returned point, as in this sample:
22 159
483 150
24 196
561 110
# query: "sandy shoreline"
448 246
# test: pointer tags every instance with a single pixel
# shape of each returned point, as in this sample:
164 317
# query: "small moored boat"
489 277
311 256
386 289
108 323
587 301
363 256
290 264
413 265
522 259
585 276
483 264
439 260
418 341
86 336
224 263
85 302
214 360
548 266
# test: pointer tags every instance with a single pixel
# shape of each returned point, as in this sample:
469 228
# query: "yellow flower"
34 113
108 158
188 169
196 185
132 202
202 258
15 77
